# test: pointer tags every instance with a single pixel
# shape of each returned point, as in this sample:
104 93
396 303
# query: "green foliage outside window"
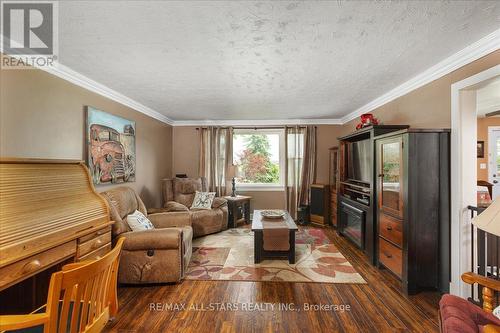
255 161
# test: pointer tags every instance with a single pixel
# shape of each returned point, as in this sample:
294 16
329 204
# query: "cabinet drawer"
391 229
391 257
97 254
93 244
94 234
30 266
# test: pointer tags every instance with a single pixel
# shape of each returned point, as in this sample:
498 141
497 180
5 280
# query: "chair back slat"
80 298
65 308
77 307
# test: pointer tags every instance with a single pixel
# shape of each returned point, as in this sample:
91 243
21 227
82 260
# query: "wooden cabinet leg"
291 251
246 206
257 246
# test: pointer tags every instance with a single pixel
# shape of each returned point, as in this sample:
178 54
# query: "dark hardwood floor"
378 306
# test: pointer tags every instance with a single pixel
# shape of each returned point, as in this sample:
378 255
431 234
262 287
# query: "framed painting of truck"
110 147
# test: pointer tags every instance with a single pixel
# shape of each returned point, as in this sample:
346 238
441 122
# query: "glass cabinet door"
334 156
390 173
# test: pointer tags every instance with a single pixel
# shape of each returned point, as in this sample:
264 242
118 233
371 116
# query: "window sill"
258 188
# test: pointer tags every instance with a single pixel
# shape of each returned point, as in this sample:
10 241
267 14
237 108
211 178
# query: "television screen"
359 161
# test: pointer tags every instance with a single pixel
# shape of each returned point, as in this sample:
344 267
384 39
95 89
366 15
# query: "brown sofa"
150 256
178 196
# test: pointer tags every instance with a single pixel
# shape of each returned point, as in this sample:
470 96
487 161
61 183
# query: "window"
258 155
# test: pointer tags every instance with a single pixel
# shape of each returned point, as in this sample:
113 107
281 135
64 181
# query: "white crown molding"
474 51
74 77
81 80
270 122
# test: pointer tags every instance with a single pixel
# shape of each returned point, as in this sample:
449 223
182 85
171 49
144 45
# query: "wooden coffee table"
259 252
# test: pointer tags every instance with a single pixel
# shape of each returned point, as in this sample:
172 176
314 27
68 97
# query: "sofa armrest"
152 239
170 219
156 210
219 202
172 206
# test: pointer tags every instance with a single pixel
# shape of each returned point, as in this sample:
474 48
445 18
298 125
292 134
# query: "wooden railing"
485 253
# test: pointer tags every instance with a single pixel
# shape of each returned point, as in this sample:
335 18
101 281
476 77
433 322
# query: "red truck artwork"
108 158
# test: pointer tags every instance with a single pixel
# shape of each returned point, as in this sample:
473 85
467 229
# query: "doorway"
464 172
494 159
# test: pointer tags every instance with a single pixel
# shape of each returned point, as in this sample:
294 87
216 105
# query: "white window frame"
247 187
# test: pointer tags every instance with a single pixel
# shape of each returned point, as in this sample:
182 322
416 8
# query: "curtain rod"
254 127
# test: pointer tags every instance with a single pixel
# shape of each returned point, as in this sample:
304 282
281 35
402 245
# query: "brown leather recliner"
178 196
151 256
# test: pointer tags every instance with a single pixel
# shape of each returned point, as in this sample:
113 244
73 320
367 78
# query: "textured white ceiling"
195 60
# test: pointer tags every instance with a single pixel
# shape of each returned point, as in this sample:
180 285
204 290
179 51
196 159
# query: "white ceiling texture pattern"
239 60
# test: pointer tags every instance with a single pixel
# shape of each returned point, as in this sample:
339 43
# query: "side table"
234 205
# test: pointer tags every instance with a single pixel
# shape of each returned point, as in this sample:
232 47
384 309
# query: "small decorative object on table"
367 119
273 214
232 171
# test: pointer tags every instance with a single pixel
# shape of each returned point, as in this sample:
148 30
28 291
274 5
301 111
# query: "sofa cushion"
459 315
206 222
185 190
122 201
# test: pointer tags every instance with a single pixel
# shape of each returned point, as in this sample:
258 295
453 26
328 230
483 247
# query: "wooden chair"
468 314
81 298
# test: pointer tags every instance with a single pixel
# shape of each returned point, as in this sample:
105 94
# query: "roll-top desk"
49 213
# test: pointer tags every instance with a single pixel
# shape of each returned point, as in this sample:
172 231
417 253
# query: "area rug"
228 256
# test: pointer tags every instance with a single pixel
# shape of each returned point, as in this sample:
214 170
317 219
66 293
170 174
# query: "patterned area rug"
229 256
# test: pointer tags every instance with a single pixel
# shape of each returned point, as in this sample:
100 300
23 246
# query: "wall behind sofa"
186 150
43 116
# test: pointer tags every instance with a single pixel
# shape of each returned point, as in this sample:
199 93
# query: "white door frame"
463 176
491 152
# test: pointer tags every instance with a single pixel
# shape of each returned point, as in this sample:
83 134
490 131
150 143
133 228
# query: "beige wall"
482 135
186 159
42 116
186 151
428 106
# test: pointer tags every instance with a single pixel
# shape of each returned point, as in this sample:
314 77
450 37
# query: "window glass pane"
391 180
257 157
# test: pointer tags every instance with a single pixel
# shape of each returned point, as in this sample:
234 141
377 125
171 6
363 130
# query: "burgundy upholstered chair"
460 316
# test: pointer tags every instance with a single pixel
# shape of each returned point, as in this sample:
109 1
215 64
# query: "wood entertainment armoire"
413 206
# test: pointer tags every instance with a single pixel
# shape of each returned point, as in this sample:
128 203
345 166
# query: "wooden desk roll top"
49 212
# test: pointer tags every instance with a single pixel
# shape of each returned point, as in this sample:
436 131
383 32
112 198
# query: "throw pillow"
496 312
203 200
137 221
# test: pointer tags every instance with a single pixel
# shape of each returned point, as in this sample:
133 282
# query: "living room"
227 166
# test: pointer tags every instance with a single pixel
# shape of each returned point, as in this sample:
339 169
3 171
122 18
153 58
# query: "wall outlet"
482 166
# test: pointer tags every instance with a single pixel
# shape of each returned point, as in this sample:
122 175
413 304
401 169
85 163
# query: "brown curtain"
309 165
300 166
215 157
